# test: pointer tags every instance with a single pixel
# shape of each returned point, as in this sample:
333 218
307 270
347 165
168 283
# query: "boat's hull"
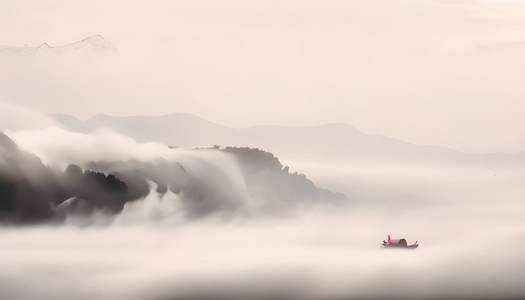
400 246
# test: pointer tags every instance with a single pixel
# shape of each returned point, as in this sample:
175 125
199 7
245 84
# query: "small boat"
398 243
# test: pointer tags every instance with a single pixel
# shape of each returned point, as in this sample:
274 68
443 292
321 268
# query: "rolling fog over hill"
230 182
369 169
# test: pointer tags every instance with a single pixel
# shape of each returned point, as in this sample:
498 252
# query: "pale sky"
446 73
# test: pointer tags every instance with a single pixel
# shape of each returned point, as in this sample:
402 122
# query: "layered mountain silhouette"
92 44
326 143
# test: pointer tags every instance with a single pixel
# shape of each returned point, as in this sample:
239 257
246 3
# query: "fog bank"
319 256
469 226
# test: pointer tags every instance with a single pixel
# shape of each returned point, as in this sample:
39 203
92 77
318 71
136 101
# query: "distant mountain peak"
96 37
43 48
95 43
44 45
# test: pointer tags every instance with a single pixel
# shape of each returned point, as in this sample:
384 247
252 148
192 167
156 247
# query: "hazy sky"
447 73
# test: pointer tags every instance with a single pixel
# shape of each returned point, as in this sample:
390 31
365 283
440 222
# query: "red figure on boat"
398 243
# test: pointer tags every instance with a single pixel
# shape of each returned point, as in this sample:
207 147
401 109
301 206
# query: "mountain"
43 49
27 187
334 143
32 192
92 44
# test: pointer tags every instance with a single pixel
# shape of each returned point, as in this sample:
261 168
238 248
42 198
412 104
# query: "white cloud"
14 117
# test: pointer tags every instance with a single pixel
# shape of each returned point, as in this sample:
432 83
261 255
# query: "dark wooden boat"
398 243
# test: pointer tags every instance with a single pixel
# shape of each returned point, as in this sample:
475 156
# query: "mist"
465 253
135 162
467 220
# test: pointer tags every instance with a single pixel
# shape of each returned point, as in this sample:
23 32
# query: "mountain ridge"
333 142
89 44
